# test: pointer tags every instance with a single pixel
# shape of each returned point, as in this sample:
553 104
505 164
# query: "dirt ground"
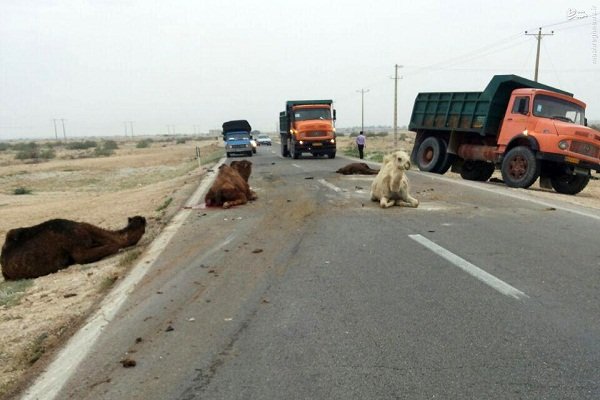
154 182
37 315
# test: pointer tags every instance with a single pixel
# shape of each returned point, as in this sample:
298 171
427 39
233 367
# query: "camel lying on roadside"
357 169
55 244
230 187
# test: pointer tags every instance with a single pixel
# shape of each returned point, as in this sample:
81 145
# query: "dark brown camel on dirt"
55 244
357 169
231 186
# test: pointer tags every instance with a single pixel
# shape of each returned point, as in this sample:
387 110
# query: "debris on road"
128 363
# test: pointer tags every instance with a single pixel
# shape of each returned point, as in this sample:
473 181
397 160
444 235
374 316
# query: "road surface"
314 292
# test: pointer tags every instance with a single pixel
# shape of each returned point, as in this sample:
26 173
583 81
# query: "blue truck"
236 135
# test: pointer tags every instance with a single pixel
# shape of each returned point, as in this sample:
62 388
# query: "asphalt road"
314 292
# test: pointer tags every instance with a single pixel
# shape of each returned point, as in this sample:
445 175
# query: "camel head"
136 222
400 159
243 167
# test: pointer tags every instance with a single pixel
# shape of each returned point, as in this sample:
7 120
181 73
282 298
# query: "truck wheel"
430 154
250 154
569 184
228 155
447 159
284 149
520 168
479 171
331 155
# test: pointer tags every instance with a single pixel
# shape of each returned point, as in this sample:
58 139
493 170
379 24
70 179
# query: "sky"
186 66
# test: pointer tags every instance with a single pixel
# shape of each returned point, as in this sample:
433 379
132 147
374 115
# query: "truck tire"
520 168
569 184
331 155
479 171
430 154
284 149
250 154
228 155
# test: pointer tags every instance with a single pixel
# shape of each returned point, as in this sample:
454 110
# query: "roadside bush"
4 146
47 154
34 153
103 152
110 145
88 144
25 146
180 141
22 190
142 144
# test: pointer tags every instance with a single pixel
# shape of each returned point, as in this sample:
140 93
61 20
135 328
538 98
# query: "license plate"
317 144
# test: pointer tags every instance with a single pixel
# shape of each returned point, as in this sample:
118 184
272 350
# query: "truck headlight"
563 145
301 142
332 141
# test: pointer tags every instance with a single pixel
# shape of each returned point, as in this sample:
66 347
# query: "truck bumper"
570 161
316 148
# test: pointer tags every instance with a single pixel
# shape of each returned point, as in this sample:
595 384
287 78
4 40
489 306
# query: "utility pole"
131 126
63 126
362 115
538 36
55 131
395 78
125 124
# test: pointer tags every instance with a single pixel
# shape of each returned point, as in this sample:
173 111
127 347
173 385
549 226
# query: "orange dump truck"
307 126
526 129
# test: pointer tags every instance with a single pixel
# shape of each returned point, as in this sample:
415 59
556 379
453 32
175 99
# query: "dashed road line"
470 269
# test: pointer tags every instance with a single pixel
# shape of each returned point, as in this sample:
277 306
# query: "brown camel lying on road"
230 187
55 244
357 169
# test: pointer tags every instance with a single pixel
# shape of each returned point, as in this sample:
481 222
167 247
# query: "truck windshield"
551 107
312 113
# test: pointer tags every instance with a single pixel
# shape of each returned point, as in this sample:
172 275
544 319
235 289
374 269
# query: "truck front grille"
586 149
315 134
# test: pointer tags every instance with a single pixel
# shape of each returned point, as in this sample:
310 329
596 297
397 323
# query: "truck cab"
308 126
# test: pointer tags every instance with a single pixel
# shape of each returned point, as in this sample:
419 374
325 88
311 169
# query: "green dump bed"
478 112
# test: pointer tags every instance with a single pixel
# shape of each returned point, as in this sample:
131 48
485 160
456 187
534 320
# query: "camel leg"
385 202
241 199
85 255
412 202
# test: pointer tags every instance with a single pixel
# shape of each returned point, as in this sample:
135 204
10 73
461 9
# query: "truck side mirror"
334 116
585 122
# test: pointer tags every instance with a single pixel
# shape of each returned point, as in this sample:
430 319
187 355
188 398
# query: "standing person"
360 143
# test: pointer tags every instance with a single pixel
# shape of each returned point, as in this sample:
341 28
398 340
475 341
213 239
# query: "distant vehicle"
264 140
307 126
236 135
526 129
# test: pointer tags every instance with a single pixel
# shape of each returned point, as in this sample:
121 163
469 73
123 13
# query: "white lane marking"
51 381
470 269
297 166
330 185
